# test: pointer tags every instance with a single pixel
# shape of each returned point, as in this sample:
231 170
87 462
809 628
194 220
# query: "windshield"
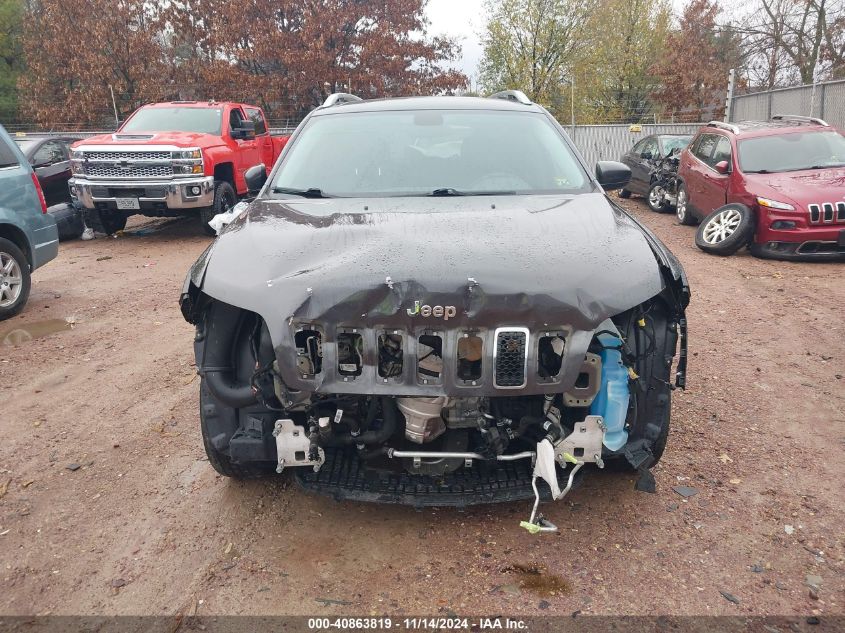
430 152
792 152
199 120
672 143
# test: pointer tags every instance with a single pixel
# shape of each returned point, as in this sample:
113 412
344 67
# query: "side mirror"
612 175
255 177
646 156
723 167
246 130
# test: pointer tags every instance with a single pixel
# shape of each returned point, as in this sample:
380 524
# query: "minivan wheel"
726 230
657 198
682 208
14 279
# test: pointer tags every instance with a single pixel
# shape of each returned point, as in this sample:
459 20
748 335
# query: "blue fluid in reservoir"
611 403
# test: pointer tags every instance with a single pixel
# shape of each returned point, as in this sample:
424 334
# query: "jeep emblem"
438 312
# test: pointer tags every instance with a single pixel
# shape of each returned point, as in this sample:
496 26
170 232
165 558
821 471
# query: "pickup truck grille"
110 170
127 155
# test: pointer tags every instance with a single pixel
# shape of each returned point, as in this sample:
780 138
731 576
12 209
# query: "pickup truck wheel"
107 221
726 230
14 279
682 208
210 409
224 199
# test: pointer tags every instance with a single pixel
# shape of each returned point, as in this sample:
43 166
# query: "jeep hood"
519 260
803 187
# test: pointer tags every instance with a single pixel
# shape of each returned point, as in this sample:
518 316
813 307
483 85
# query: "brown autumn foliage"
285 55
692 72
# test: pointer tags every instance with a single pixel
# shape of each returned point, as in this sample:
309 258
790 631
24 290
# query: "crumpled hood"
176 139
802 187
532 261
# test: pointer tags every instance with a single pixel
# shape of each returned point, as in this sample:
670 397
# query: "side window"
235 118
256 117
722 151
8 158
49 153
704 147
638 148
650 148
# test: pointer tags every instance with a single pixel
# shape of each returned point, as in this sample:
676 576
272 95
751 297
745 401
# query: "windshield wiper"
311 192
450 191
758 171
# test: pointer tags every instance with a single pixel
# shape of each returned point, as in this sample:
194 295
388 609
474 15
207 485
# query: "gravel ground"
109 506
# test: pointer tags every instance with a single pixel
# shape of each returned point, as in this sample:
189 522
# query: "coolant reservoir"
611 403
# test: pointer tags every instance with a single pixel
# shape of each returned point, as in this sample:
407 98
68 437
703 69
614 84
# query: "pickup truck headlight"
195 170
195 153
774 204
76 154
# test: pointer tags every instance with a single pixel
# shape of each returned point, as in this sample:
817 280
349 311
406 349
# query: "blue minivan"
28 234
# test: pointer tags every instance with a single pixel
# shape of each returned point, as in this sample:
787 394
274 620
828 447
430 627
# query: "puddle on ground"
19 333
537 578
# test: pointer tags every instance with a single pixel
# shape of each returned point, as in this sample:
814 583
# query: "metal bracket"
584 443
293 446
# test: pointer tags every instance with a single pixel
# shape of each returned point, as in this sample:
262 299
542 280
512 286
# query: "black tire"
15 280
224 199
655 194
624 194
682 211
106 221
726 230
211 411
68 220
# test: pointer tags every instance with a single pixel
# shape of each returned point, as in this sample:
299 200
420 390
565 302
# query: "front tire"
682 211
656 198
106 221
15 281
224 199
726 230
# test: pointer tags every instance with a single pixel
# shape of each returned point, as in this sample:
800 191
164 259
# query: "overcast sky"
464 20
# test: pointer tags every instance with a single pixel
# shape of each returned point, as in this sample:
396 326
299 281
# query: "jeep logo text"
439 312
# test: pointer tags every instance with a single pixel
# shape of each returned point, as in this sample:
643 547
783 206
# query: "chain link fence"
823 100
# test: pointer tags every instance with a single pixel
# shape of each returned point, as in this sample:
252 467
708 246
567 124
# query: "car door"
639 160
248 151
694 178
51 164
262 135
714 185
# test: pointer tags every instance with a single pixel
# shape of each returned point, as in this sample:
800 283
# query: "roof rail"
339 98
724 126
803 119
512 95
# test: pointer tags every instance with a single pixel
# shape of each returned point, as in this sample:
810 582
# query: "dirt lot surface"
109 505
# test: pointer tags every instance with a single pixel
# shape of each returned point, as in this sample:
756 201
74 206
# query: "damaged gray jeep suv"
431 301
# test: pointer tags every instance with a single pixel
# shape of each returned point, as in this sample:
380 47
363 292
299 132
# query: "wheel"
216 418
682 208
726 230
107 221
224 199
657 198
624 194
14 279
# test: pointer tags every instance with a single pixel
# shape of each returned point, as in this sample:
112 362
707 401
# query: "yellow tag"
569 458
533 529
20 133
632 374
635 128
641 322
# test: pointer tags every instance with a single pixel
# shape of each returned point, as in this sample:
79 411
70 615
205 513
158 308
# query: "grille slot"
815 213
840 211
828 211
127 155
510 358
145 171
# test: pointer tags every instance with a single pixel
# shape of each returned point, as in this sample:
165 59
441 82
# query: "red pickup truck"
171 159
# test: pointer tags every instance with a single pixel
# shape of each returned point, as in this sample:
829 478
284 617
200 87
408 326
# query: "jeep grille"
827 212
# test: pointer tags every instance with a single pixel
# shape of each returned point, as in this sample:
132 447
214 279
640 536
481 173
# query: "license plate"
842 238
127 203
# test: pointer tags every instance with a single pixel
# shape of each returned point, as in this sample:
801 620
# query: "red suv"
777 186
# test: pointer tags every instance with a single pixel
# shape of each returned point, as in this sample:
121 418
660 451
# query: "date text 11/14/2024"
417 624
